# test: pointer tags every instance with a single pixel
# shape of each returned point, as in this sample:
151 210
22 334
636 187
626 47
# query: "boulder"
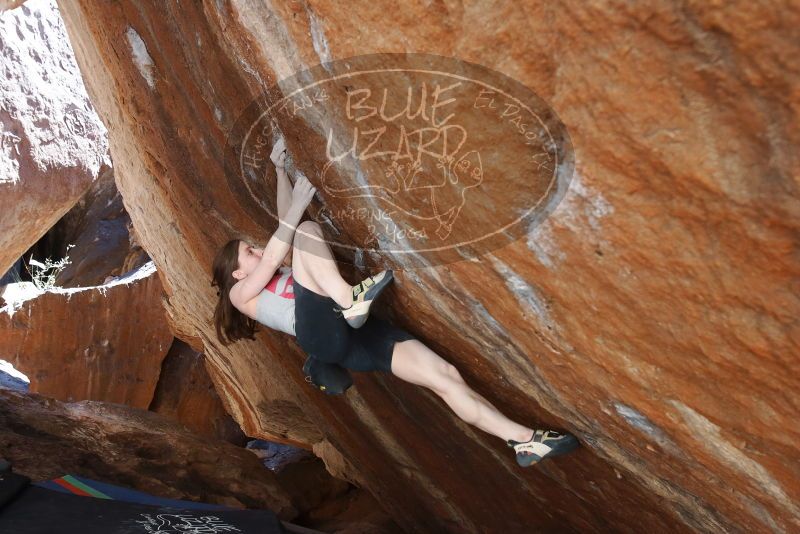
97 236
52 143
186 394
91 343
95 241
652 313
44 438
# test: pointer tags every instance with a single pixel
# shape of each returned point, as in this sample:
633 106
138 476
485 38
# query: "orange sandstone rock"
653 313
185 393
92 343
52 144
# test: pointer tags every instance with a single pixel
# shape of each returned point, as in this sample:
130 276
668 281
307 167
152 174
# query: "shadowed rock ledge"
44 438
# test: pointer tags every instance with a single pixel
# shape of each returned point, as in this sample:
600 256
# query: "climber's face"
249 257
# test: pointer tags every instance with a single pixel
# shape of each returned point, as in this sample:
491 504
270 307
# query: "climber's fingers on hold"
278 154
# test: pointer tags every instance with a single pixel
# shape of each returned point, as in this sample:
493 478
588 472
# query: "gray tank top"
275 304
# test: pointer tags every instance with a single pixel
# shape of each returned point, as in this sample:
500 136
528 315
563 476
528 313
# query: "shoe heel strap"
358 289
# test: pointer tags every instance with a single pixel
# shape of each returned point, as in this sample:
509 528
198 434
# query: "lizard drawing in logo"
424 175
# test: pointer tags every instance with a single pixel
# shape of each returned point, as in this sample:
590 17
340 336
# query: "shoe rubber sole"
566 445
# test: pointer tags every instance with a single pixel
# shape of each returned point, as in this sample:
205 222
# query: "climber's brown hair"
231 324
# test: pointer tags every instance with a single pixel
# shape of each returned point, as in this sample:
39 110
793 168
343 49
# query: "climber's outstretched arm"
284 195
277 247
284 192
278 158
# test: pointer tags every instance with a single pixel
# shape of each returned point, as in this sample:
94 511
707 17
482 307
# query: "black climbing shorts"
325 335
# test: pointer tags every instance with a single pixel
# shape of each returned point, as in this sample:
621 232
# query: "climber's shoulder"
245 305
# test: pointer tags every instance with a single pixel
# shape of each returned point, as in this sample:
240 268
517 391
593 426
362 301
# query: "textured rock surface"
94 343
44 438
328 504
96 235
185 393
100 231
653 314
52 144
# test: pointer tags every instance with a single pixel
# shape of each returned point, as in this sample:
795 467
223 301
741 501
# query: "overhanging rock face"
651 314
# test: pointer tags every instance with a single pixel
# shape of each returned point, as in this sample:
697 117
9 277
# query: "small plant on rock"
44 274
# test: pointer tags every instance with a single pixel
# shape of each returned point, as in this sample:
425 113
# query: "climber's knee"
308 230
453 373
448 378
308 238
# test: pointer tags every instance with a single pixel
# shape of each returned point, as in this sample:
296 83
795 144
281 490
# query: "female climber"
311 301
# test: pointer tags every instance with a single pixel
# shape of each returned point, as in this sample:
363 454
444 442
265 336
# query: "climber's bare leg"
314 267
413 362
